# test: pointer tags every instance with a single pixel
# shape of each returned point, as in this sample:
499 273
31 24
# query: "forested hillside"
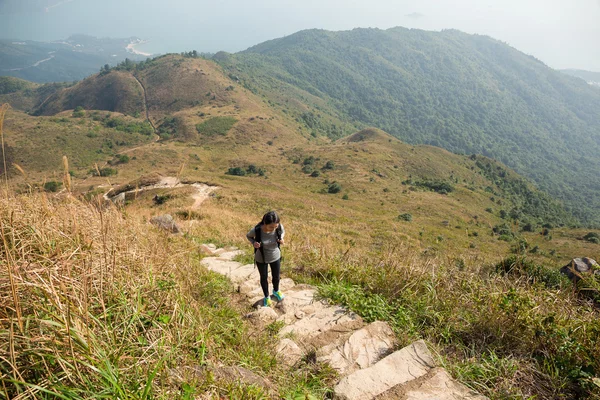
466 93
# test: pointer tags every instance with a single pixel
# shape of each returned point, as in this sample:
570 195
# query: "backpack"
257 237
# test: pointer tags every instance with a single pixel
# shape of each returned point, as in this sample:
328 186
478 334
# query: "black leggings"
263 270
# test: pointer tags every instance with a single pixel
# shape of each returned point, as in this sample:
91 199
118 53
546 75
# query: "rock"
362 349
243 375
165 222
228 255
289 352
244 273
399 367
437 384
330 318
222 267
206 249
580 266
264 315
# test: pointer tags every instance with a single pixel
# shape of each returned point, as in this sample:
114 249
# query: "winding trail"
170 182
145 102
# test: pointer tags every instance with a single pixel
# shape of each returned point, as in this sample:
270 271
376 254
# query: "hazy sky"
561 33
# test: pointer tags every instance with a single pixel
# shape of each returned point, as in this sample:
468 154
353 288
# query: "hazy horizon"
558 33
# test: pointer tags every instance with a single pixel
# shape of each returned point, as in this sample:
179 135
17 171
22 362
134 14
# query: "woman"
267 237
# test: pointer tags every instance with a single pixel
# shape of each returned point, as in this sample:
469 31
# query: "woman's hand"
256 245
280 241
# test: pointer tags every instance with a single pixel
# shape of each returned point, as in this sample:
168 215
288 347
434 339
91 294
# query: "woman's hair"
269 218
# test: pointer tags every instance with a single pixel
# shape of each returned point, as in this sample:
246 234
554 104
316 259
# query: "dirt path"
202 190
145 102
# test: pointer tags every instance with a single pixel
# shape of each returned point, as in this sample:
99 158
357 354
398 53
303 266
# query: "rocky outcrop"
364 355
165 222
579 267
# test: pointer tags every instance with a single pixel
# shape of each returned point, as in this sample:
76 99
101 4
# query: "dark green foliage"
307 169
437 186
122 125
216 126
529 204
405 217
310 160
315 173
238 171
592 237
334 187
10 85
107 172
52 186
329 165
78 112
161 199
168 128
522 267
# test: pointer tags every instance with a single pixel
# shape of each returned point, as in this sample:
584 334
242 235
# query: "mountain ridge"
466 93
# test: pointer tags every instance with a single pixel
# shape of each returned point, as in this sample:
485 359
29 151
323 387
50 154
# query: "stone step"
324 319
220 266
398 368
362 349
338 337
436 384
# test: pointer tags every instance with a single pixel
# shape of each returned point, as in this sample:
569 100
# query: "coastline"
131 48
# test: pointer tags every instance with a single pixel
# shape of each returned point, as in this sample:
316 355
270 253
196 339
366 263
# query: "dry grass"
96 304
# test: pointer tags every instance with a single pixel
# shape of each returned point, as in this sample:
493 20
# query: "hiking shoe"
278 295
266 302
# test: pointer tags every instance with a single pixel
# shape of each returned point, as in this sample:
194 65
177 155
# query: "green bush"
334 187
521 267
52 186
307 169
329 165
238 171
592 237
216 126
405 217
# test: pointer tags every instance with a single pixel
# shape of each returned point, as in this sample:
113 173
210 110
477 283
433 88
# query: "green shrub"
315 173
238 171
106 172
405 217
52 186
216 126
307 169
592 237
334 187
78 112
521 267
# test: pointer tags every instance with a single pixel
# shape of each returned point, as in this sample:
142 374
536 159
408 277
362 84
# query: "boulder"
263 315
165 222
289 352
580 266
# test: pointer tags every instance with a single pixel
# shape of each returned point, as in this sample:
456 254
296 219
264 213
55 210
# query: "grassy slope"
465 93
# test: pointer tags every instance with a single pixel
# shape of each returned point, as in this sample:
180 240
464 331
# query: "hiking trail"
364 355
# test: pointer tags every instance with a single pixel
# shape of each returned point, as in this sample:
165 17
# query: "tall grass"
505 337
95 304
